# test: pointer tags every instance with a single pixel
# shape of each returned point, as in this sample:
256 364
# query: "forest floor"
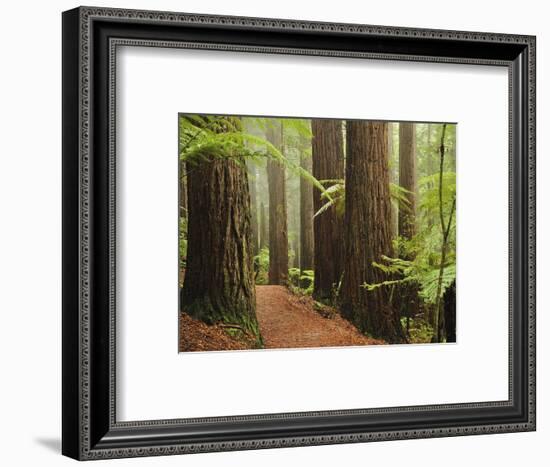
290 321
286 321
196 336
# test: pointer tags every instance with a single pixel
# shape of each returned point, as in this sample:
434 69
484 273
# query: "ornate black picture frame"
90 39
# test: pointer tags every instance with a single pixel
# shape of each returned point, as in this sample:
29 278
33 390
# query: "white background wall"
30 243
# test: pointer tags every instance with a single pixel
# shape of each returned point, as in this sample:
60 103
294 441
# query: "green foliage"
261 267
420 331
301 280
297 128
423 270
204 138
428 139
306 279
416 262
335 195
293 128
429 282
425 246
400 196
294 276
429 194
427 243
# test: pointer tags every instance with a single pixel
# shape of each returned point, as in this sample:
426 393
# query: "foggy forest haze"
315 232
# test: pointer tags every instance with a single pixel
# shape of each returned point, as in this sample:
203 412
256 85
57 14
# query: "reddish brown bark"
253 208
264 236
407 179
306 216
278 230
393 179
219 280
408 292
367 231
328 164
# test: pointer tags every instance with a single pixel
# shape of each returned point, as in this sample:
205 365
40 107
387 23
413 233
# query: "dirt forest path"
289 321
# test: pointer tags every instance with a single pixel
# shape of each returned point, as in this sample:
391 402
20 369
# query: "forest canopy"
315 232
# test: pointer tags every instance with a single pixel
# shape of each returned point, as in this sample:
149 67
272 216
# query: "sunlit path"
288 321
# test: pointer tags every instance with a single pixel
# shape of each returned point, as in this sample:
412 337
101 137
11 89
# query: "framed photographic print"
285 233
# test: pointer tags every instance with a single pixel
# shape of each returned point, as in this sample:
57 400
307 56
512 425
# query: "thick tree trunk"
294 225
408 293
328 164
393 179
219 281
296 249
182 226
264 237
306 216
407 179
278 230
253 208
367 231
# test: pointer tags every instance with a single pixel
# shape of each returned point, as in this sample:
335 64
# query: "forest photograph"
313 232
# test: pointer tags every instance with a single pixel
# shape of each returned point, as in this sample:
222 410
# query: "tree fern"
207 138
425 246
335 195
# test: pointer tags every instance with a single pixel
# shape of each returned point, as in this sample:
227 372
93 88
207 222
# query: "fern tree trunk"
439 315
306 215
449 310
328 164
219 280
278 228
367 231
407 210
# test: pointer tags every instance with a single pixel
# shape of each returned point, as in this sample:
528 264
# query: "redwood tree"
253 208
407 179
306 215
367 231
278 230
394 175
219 280
408 293
264 237
328 164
